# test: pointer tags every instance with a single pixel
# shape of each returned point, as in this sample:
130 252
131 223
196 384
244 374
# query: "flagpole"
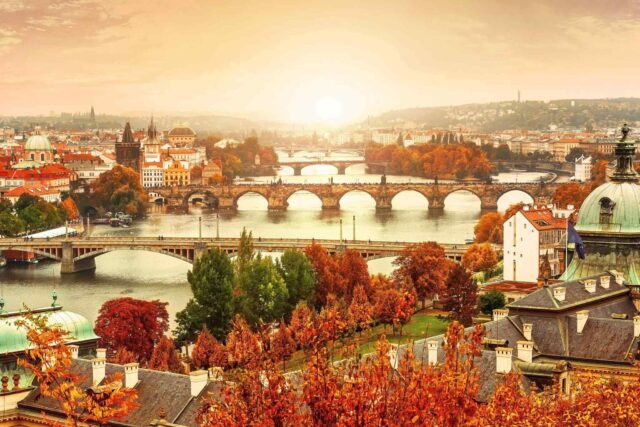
566 246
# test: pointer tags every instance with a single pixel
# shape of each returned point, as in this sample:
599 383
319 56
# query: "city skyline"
305 63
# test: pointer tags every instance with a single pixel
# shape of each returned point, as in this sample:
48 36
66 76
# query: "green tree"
212 280
245 249
297 272
263 292
490 301
10 225
120 190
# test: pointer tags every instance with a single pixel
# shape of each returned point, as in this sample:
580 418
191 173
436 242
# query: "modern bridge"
78 253
225 197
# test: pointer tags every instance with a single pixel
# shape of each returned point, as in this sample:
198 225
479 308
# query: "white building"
583 169
531 234
384 136
152 174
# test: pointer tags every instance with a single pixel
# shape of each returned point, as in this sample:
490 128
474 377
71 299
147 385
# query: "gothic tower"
128 150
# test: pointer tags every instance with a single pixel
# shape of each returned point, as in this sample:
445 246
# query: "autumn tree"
354 272
461 295
512 209
212 280
282 344
49 359
70 207
132 324
296 270
124 356
480 257
263 295
327 274
208 352
165 357
490 301
599 173
489 228
331 322
424 266
302 325
120 190
571 193
243 347
394 303
261 397
360 312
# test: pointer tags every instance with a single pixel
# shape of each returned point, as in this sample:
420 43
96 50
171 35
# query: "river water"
148 275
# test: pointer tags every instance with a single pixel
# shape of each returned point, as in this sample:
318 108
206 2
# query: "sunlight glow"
328 109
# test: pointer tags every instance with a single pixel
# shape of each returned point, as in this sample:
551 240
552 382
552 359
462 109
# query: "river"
148 275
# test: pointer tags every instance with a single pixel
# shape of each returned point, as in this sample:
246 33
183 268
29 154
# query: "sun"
328 109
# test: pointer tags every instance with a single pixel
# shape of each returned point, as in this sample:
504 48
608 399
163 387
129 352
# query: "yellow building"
176 174
181 136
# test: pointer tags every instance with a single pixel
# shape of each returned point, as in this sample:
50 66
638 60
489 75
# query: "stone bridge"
78 253
225 197
340 165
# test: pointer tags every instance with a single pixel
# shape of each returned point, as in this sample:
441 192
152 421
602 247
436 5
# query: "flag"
575 238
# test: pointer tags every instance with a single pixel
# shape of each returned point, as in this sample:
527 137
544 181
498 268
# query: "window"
606 210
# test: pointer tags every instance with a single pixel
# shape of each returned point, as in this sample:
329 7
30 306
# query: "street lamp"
354 228
217 225
340 230
200 227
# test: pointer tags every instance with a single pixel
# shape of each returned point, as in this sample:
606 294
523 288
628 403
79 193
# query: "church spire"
625 153
127 135
152 132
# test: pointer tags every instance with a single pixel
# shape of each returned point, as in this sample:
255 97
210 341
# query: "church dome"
181 130
613 207
38 143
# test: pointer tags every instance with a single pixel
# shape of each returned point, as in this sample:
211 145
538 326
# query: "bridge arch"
286 170
205 196
261 203
303 200
335 169
186 254
364 196
462 192
410 198
349 168
513 196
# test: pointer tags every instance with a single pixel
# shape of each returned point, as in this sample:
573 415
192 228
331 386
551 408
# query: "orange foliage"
243 346
360 312
165 357
393 304
479 257
571 193
489 228
282 344
327 273
208 352
70 208
302 326
424 266
49 359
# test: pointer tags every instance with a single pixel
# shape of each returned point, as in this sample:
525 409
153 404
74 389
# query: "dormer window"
606 210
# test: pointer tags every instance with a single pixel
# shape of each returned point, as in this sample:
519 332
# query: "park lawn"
423 324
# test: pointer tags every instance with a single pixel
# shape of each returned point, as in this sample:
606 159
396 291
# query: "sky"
310 61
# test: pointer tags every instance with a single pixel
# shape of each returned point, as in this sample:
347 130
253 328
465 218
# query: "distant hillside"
564 113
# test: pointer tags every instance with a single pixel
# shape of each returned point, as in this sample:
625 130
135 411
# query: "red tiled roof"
543 219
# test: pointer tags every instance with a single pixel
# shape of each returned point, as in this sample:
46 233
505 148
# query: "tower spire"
625 153
127 135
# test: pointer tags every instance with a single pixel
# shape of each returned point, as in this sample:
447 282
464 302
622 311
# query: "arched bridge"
340 165
225 197
79 253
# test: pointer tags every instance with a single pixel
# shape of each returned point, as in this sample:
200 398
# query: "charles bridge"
225 197
340 165
78 253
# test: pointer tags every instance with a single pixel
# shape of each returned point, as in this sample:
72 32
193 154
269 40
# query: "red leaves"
165 357
489 228
208 352
479 257
424 266
136 325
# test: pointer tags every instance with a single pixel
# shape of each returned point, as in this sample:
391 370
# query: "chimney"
198 382
500 313
619 276
130 375
590 285
581 317
99 367
525 208
605 281
74 350
559 293
570 207
393 355
636 326
216 373
503 360
525 351
527 329
101 353
432 355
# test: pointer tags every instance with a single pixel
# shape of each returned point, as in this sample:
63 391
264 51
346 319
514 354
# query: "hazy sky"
309 60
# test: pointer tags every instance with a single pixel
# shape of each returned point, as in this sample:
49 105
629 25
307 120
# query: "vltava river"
153 276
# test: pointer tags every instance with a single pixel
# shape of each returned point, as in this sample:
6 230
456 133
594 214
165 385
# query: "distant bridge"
340 165
225 197
79 253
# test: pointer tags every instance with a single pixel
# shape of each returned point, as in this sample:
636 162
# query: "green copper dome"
14 339
612 207
38 143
